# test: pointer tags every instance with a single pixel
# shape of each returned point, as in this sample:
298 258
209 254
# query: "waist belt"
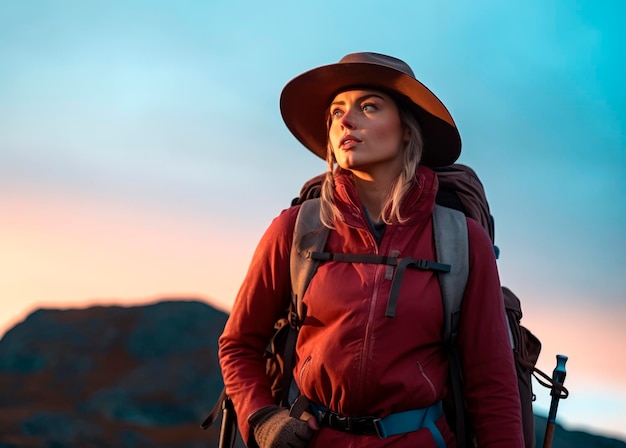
393 424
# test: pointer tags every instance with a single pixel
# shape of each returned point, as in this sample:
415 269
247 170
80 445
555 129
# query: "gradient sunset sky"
142 153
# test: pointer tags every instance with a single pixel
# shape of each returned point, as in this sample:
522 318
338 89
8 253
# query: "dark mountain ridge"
142 376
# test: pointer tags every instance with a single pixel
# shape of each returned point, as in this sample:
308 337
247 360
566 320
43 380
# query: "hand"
273 428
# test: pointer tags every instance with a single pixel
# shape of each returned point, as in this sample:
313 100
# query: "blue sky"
122 118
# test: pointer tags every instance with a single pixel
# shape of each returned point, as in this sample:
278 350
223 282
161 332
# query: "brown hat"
305 99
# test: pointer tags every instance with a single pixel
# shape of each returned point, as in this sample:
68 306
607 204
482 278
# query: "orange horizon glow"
70 254
64 252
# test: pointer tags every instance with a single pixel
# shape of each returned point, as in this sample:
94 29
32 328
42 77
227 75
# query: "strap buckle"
379 428
336 420
355 425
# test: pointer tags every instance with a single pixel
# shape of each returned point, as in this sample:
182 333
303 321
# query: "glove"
274 428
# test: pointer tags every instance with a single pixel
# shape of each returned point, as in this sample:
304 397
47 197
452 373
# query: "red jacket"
354 360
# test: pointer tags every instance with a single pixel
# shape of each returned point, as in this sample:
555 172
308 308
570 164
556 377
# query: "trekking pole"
558 378
228 431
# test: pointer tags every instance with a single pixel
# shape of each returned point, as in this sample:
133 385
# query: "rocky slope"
143 376
111 376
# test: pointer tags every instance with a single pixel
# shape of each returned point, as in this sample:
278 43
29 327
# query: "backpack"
461 189
460 194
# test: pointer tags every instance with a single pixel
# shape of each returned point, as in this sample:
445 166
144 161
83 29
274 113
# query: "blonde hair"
412 154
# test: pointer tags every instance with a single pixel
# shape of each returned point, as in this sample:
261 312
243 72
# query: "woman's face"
366 132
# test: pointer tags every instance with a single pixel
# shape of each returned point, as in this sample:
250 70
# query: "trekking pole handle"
228 429
558 377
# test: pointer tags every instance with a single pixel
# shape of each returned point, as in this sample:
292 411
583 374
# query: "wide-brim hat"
305 99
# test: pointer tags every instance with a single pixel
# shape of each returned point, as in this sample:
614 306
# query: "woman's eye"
368 107
337 113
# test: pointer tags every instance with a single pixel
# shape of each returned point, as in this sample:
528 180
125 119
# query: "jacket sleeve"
490 378
262 298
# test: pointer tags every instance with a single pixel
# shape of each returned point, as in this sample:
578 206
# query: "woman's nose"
348 120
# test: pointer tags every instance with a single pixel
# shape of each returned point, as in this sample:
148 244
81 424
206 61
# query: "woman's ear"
407 135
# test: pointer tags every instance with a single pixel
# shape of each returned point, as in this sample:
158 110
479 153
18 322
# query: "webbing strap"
289 361
391 425
215 412
400 263
381 259
354 258
396 283
408 421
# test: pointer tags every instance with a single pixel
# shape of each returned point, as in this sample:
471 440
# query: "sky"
142 152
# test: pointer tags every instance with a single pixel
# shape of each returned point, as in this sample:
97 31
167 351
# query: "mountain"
111 376
573 439
134 377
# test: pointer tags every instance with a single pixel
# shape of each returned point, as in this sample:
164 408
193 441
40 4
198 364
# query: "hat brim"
305 99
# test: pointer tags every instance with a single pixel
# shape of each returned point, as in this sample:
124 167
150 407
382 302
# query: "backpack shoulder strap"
451 247
309 236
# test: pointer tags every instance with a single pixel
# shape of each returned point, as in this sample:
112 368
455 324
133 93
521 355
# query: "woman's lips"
348 142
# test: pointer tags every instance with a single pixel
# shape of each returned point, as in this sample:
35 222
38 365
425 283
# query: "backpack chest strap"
401 265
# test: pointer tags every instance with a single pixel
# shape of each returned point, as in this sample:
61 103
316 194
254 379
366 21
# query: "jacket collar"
418 204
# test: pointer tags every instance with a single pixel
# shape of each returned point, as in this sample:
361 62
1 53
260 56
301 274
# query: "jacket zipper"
430 383
370 319
305 364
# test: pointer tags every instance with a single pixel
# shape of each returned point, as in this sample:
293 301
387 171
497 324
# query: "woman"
379 129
